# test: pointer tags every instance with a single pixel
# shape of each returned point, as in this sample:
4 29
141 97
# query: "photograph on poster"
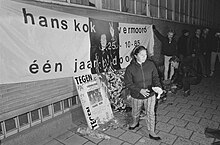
94 97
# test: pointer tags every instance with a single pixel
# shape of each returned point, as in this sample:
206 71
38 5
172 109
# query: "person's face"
141 56
198 32
103 40
170 35
186 34
174 64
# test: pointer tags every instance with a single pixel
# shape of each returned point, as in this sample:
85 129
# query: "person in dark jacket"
197 53
184 75
183 45
215 51
141 78
169 49
206 50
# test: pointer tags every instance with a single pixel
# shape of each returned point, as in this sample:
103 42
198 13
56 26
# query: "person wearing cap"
169 49
183 44
215 51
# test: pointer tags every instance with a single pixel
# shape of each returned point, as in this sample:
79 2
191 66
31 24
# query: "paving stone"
163 118
167 137
76 139
178 122
172 108
191 118
181 100
89 143
175 114
213 111
53 142
186 106
194 103
184 141
203 115
187 111
166 127
65 135
130 137
162 112
216 118
115 132
212 106
197 108
147 141
125 143
112 141
201 138
209 123
92 139
195 127
179 131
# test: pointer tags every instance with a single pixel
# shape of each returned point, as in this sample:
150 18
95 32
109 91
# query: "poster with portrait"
104 50
93 94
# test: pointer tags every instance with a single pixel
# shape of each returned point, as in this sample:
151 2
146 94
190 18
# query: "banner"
38 43
93 94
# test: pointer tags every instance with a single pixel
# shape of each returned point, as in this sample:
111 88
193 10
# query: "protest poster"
94 97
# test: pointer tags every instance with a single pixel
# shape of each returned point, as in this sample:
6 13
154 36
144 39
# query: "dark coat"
139 77
168 49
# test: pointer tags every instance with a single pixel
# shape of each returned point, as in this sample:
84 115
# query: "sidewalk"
180 121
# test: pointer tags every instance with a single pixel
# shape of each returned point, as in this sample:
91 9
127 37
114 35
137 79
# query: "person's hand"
193 55
145 92
153 27
112 31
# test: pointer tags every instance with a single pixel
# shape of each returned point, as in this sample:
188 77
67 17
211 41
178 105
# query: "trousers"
149 106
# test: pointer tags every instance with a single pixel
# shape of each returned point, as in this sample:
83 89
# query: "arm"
158 34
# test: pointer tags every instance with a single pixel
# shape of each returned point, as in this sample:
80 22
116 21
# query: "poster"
93 94
41 43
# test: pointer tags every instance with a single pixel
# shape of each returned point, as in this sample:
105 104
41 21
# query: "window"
23 121
11 126
35 117
57 108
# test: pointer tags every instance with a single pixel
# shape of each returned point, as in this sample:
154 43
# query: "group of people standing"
182 58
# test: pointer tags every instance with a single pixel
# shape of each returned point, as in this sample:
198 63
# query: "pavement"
180 121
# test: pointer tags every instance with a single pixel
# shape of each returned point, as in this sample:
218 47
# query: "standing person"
196 52
169 49
183 45
215 51
206 51
141 77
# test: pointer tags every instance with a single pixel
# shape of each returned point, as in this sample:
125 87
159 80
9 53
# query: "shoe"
155 138
186 93
211 74
132 128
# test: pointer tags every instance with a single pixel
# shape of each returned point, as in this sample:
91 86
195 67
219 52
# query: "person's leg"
171 72
202 64
186 86
149 105
213 59
166 66
136 110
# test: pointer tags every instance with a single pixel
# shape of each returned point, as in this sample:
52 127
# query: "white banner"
38 43
131 35
93 94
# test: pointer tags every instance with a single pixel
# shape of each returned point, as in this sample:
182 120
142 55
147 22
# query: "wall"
16 99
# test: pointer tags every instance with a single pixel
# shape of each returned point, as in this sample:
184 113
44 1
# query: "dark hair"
136 50
174 59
